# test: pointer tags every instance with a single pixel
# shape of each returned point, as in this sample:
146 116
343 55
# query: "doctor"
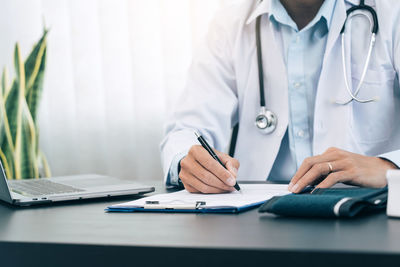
336 121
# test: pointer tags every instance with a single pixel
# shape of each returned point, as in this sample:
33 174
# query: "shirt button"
300 133
297 39
297 85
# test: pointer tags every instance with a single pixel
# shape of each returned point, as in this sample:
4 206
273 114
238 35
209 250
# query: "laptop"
46 190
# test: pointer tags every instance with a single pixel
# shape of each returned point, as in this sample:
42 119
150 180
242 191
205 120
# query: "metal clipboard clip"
174 205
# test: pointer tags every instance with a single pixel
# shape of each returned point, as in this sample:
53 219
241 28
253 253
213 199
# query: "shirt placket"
298 98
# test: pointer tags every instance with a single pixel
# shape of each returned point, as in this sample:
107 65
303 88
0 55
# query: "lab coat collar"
338 19
264 7
278 11
357 2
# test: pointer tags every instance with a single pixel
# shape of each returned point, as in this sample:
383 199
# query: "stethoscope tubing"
353 96
374 30
259 63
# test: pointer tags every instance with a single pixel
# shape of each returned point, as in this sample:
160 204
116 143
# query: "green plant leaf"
34 60
34 93
6 145
18 111
16 122
3 118
9 156
35 66
17 91
6 167
25 139
5 88
12 107
44 164
28 164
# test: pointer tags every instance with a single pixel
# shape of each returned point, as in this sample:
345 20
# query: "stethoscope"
266 120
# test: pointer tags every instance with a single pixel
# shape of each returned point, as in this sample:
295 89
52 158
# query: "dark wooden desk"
82 234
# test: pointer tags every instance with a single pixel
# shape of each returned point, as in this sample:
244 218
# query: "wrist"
388 164
180 184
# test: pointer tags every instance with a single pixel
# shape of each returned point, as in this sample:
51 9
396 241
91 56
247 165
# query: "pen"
207 147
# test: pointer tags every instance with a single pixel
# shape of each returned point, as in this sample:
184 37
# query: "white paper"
249 194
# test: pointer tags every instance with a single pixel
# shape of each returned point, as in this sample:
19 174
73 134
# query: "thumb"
230 163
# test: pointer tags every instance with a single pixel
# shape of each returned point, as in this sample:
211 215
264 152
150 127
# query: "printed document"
250 194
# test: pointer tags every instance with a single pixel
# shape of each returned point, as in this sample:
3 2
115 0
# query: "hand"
201 173
336 165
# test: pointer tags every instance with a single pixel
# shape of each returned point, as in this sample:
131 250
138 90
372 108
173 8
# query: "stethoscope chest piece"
266 121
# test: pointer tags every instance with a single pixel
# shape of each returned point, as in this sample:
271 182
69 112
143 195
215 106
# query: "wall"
114 70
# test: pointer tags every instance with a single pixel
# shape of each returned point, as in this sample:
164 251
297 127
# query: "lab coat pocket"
372 122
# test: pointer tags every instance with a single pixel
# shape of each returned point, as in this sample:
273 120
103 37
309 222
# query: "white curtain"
114 71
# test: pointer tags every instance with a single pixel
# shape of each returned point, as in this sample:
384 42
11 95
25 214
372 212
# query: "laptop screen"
5 194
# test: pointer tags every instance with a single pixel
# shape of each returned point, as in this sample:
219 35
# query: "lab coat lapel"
330 119
338 18
259 150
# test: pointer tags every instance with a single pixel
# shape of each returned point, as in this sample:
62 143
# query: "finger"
191 189
198 185
230 163
333 178
188 179
308 163
209 163
316 172
208 177
191 170
317 181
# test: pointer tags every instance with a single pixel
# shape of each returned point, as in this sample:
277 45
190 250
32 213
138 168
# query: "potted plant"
19 101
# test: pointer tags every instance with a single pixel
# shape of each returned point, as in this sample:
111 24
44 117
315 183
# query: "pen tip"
197 134
237 187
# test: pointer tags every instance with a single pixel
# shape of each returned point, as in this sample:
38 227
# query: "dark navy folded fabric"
331 202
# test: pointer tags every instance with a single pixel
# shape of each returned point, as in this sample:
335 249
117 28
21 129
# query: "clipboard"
251 196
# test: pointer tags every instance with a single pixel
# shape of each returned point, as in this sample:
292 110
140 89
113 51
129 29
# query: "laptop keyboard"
38 187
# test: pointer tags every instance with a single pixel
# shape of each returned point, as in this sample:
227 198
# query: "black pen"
207 147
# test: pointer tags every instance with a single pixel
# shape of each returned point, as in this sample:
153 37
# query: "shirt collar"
326 10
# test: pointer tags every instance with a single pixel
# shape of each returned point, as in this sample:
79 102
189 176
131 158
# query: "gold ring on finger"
330 167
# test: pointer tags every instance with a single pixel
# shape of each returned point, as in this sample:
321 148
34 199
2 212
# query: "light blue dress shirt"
303 52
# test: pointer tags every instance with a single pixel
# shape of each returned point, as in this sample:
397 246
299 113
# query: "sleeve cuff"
393 157
173 173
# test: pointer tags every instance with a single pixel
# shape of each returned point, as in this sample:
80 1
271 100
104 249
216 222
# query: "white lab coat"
222 89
